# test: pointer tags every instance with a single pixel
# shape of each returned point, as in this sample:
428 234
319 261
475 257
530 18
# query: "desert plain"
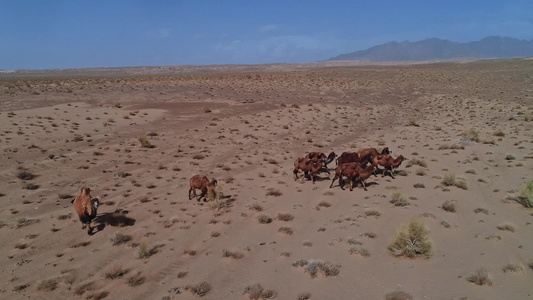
464 128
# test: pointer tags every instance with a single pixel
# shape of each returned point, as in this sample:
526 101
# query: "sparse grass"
480 277
47 285
81 244
123 174
285 217
481 210
399 199
145 143
116 271
119 239
21 222
264 219
200 289
232 254
515 268
198 156
448 206
506 227
471 171
412 241
419 185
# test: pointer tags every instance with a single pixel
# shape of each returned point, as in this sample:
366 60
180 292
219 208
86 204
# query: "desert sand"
245 126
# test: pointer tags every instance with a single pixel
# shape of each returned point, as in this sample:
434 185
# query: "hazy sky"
51 34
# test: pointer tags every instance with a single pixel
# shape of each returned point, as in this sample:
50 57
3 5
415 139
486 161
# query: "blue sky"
56 34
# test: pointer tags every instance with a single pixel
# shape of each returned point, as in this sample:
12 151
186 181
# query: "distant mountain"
433 48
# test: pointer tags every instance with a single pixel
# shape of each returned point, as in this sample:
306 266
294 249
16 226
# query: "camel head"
95 202
386 151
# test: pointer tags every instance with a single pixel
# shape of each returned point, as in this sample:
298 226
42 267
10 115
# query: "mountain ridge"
435 48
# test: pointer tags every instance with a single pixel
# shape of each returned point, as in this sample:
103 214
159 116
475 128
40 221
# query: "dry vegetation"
135 136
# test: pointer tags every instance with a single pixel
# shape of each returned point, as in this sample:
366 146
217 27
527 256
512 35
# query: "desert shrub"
528 116
24 174
273 192
510 157
286 230
207 110
285 217
419 185
526 195
303 296
256 291
200 289
398 295
232 254
256 207
448 180
317 267
399 199
358 250
264 219
372 212
412 122
83 288
480 277
115 272
417 162
135 280
145 143
471 135
506 227
412 241
499 133
448 206
119 239
143 251
48 285
29 185
512 268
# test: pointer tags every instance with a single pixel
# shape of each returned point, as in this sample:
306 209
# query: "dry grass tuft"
47 285
512 268
480 277
264 219
399 199
286 230
358 250
256 292
115 272
200 289
285 217
449 206
119 239
506 227
232 254
135 280
145 143
412 241
526 195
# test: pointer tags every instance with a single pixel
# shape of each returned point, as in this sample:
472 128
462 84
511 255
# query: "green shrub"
412 241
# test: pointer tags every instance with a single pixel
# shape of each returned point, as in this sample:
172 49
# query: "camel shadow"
117 218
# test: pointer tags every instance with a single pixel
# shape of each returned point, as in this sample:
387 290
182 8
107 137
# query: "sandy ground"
245 126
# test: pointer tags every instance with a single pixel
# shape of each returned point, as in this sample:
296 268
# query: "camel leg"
364 185
391 175
295 172
335 177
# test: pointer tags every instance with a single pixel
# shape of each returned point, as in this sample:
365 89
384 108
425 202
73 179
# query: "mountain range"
437 49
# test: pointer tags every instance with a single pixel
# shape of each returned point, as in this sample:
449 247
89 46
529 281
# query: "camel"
308 166
86 207
388 163
202 183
